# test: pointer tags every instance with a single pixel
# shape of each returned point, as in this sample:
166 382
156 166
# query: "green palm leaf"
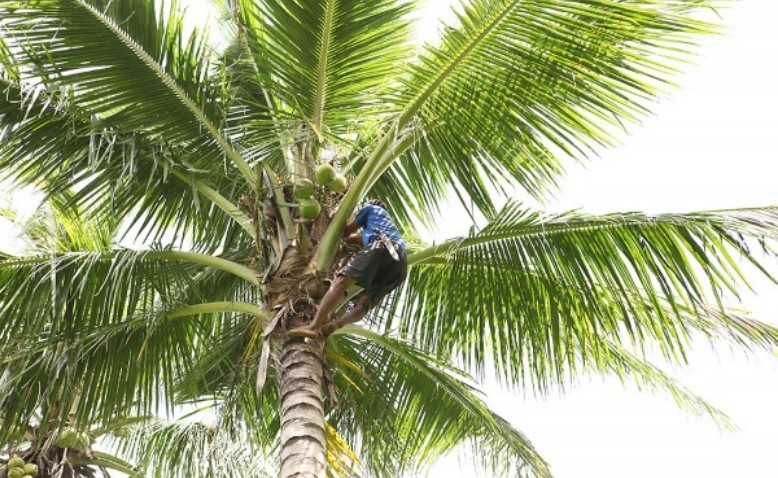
194 449
528 290
130 67
328 58
381 382
51 142
517 78
515 84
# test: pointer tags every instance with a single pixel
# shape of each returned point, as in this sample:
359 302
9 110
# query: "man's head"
378 202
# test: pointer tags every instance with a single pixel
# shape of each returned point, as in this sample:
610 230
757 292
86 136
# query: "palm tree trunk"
303 446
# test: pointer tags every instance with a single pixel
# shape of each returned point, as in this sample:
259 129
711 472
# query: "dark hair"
379 203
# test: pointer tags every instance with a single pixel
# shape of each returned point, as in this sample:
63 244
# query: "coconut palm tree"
198 147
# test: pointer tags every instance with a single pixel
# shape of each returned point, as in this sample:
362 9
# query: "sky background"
709 145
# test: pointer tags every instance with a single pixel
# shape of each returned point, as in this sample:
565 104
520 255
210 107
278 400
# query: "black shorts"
376 271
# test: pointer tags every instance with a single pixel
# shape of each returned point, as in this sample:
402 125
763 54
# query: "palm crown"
116 108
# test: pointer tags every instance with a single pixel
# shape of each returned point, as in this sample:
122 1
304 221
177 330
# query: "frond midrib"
225 265
324 54
536 230
171 84
457 60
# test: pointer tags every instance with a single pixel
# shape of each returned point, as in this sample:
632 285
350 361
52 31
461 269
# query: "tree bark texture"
303 445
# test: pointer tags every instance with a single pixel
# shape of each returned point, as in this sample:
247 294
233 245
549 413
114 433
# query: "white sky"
708 146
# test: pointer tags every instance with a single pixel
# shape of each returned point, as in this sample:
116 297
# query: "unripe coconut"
325 174
31 469
16 462
28 476
15 473
303 189
339 183
66 438
82 442
309 208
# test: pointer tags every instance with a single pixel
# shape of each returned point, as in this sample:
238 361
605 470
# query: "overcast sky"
709 145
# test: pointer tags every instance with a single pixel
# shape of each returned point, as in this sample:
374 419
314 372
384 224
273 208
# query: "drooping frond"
51 142
535 293
632 369
384 388
181 449
110 332
130 66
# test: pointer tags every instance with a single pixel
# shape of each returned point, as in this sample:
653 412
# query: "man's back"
371 218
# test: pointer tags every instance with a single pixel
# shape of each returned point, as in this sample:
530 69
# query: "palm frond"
529 291
101 373
131 67
328 57
195 449
98 287
515 85
382 385
51 143
630 368
516 78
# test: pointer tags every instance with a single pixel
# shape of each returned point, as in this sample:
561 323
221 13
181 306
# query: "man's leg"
336 291
391 273
361 308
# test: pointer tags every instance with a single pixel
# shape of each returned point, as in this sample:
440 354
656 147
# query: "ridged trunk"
303 445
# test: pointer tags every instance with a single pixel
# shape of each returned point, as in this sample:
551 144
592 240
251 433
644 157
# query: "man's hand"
350 234
353 239
351 228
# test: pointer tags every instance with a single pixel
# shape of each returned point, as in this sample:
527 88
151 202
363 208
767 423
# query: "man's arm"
349 235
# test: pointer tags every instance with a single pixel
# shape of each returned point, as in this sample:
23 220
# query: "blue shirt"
372 216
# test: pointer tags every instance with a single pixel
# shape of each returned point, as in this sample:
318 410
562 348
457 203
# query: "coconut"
15 473
66 438
31 469
325 174
28 476
303 189
339 184
16 462
81 442
309 208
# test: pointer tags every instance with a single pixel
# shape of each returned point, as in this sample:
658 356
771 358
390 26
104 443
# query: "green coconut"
28 476
31 469
325 174
15 473
81 442
303 188
309 208
66 438
339 184
16 462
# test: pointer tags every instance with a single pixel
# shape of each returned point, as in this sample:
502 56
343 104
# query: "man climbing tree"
379 268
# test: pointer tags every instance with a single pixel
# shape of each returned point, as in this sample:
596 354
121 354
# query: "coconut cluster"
18 468
73 439
326 176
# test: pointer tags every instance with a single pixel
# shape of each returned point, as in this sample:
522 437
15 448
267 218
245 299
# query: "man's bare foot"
307 332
